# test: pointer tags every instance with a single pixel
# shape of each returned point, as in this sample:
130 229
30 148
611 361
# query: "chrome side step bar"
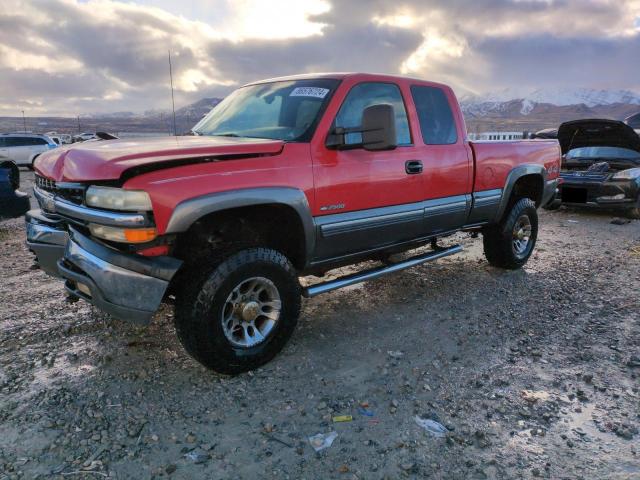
317 289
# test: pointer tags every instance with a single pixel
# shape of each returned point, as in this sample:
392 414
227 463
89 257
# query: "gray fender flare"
514 175
190 211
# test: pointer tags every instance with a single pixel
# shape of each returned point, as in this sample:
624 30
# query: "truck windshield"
287 110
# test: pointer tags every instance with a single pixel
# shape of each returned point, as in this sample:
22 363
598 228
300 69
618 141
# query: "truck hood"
110 159
597 133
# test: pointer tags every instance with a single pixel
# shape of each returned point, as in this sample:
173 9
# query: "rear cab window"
364 95
437 123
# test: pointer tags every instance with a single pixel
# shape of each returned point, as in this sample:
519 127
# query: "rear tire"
241 312
510 243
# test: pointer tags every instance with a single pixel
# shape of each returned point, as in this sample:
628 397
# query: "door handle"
412 167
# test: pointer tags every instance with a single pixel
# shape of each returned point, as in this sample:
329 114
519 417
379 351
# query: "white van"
23 148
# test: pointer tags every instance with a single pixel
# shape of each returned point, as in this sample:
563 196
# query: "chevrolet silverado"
285 178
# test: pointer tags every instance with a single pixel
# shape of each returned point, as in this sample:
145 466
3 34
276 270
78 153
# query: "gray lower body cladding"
343 234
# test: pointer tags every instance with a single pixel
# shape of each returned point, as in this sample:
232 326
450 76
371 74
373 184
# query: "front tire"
510 243
242 313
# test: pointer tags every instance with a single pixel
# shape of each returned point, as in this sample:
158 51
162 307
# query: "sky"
68 57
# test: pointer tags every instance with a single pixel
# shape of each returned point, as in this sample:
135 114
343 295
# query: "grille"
72 192
45 184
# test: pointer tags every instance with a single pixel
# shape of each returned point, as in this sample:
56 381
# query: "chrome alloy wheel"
521 236
251 312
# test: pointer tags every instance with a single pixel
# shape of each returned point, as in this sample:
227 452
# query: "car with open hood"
600 165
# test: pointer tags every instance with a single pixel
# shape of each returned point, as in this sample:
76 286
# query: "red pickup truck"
285 178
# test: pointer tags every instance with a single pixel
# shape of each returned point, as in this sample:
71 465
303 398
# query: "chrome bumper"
128 287
47 238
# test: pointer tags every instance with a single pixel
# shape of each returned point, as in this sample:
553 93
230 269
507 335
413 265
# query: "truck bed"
494 160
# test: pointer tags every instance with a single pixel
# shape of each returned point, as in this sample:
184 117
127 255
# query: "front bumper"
128 287
597 190
46 237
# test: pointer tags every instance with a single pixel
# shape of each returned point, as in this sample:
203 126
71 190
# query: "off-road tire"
200 303
498 240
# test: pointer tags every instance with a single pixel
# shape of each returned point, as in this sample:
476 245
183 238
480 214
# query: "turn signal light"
140 235
123 235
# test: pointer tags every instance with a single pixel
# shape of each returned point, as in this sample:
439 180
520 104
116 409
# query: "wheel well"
273 226
530 186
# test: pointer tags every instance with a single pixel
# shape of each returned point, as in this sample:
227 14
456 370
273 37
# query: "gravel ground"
534 373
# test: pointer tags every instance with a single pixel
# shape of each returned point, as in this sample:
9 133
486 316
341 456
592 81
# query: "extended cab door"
366 199
447 159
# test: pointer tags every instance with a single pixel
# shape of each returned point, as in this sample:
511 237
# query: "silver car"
24 148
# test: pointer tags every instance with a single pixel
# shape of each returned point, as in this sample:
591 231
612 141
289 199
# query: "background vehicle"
13 203
82 137
24 148
633 121
284 178
600 166
64 138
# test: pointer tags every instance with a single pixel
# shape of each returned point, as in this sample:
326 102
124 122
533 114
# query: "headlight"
627 174
123 235
118 199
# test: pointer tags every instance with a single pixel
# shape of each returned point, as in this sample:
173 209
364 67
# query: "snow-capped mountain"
518 101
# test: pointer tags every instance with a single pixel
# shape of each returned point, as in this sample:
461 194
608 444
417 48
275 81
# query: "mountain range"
518 109
503 110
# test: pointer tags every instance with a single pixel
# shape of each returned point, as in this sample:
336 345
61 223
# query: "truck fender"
189 211
514 175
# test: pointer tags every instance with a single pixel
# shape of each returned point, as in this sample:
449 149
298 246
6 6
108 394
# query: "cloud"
68 57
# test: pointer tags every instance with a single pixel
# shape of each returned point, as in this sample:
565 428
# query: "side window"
38 141
364 95
15 141
434 113
3 142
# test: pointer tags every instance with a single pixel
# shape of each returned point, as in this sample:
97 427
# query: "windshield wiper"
226 135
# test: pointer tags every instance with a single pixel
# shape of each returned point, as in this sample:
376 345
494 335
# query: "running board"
317 289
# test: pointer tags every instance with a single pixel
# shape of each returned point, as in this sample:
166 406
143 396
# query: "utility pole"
173 104
24 122
78 117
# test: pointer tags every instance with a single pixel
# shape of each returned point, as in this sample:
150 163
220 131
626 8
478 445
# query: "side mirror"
379 127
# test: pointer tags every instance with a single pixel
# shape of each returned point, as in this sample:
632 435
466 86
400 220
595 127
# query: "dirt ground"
534 373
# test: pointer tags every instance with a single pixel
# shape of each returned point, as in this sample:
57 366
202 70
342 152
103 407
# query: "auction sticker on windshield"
316 92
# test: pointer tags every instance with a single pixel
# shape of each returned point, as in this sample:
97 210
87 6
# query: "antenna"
173 104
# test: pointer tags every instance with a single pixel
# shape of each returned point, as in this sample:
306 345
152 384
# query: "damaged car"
600 166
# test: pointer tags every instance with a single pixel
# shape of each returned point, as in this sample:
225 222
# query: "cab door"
447 160
366 199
